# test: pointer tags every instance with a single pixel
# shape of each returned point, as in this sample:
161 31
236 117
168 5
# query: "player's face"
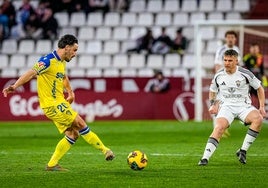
230 63
70 52
230 40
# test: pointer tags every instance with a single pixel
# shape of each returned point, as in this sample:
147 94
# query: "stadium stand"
105 38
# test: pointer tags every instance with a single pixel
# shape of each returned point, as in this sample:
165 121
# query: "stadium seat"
156 30
154 6
193 73
145 72
3 61
31 59
77 72
189 6
155 61
242 5
62 18
137 6
43 47
179 72
128 19
171 6
167 72
197 16
95 19
128 72
233 16
82 46
94 47
215 16
103 61
111 72
137 61
188 32
120 33
95 72
208 61
163 19
111 47
85 61
136 32
86 33
145 19
120 61
181 19
103 33
207 32
224 5
26 47
9 73
77 19
112 19
128 44
17 61
21 71
67 30
191 46
212 46
188 61
207 6
9 46
172 61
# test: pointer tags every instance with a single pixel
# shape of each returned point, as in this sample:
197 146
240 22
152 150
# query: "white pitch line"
125 154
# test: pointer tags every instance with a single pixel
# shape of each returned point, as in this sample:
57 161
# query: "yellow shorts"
62 115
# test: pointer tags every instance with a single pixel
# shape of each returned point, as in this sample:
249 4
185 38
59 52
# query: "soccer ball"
137 160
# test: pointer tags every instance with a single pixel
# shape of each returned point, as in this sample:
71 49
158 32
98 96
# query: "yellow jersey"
50 73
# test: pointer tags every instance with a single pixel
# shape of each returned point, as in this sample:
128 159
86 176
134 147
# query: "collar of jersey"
56 55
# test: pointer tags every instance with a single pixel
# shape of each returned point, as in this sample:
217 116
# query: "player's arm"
68 88
213 109
261 97
26 77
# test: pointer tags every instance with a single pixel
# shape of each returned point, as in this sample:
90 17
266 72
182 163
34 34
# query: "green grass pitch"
173 149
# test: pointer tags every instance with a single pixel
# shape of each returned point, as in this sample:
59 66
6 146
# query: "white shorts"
232 112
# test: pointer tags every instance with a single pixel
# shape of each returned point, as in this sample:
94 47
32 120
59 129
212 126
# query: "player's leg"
254 118
61 149
213 141
91 138
222 121
62 116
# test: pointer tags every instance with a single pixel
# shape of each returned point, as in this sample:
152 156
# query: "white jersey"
233 89
220 51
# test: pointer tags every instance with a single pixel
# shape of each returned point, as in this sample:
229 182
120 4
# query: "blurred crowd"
28 22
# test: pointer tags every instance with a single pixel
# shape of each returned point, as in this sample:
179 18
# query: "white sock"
249 139
210 148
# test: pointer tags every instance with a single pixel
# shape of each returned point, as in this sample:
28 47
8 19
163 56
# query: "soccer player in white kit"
230 43
229 98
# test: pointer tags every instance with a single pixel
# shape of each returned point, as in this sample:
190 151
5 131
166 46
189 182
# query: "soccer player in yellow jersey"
51 83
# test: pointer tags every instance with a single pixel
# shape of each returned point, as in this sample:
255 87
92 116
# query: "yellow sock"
94 140
62 147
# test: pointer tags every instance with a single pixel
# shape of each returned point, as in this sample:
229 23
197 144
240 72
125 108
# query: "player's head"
254 49
68 45
230 59
230 38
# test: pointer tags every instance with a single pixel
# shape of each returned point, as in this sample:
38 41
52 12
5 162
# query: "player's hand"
9 89
213 109
262 111
70 97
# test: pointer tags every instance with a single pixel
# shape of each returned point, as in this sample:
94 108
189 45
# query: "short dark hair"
231 52
230 32
67 40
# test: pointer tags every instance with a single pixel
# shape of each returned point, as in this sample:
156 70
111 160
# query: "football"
137 160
